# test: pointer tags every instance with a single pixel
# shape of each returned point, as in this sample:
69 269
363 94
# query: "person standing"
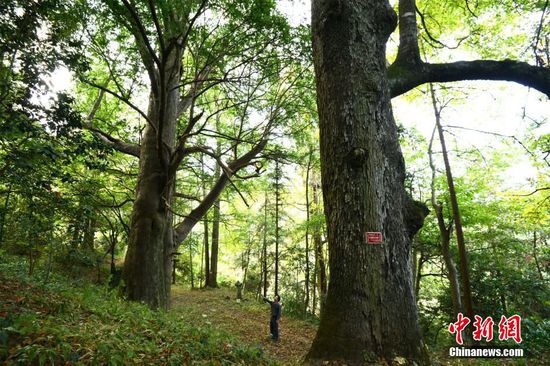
275 316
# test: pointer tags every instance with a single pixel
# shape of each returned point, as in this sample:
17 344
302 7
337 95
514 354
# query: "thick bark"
370 311
148 259
148 263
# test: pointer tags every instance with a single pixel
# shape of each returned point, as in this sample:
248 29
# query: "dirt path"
247 320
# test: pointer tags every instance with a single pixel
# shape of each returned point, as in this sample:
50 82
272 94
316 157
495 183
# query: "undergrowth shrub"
60 321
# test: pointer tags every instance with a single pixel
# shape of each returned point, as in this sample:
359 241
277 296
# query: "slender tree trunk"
539 270
3 217
370 311
264 249
75 241
31 234
418 274
445 238
246 263
89 234
213 282
322 282
452 275
307 233
277 203
314 286
464 274
206 253
206 249
191 266
112 250
202 266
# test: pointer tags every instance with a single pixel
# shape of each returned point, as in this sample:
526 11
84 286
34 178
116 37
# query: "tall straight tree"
370 310
457 220
445 231
213 276
277 184
264 250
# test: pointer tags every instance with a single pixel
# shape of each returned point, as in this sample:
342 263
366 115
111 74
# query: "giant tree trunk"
148 263
370 310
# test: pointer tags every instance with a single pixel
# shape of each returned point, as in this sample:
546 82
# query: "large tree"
202 59
370 311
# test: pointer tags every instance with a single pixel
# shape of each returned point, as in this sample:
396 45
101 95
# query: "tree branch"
142 33
186 196
532 193
121 98
402 78
185 227
125 147
122 146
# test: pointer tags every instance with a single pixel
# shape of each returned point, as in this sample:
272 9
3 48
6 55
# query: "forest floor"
247 320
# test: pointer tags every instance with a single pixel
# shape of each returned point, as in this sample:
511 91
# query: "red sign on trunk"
374 237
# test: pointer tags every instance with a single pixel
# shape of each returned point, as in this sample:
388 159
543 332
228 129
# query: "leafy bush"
59 322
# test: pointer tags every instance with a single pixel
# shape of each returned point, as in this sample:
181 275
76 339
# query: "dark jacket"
275 309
